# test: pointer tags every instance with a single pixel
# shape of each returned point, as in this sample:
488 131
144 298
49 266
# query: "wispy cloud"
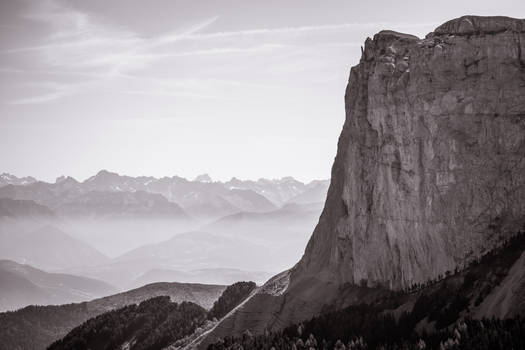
55 91
299 29
39 99
80 41
80 45
166 39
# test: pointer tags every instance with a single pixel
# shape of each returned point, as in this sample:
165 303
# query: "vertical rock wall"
430 169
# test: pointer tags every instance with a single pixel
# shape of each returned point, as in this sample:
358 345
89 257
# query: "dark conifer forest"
152 324
231 297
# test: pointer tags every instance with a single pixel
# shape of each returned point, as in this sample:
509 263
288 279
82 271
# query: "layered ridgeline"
107 207
153 324
429 173
36 327
110 195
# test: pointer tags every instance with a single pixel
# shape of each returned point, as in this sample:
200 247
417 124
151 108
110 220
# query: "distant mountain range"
120 205
21 285
8 179
12 208
112 212
70 199
201 198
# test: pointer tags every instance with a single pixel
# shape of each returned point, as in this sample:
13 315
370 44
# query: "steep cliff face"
429 173
430 169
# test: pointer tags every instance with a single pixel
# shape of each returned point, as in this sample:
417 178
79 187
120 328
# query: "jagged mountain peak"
66 180
203 178
103 175
202 198
9 179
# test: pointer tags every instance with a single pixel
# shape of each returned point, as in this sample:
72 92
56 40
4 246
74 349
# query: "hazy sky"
163 87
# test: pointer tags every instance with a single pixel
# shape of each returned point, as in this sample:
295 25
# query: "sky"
238 88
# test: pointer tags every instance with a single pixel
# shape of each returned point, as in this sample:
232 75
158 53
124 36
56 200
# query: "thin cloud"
44 98
80 45
304 29
38 99
79 42
57 91
166 39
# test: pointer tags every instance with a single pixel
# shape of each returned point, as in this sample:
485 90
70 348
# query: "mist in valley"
127 232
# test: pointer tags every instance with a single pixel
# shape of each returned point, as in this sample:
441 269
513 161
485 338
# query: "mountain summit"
8 179
429 172
203 178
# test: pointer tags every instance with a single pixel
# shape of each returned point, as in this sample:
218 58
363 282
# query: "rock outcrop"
429 173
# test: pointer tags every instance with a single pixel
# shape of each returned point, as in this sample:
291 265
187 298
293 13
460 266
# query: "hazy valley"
132 231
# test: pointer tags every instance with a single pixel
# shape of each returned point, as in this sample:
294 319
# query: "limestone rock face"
429 172
430 169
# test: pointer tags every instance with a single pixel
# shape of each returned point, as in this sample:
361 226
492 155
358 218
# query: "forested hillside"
152 324
35 327
231 297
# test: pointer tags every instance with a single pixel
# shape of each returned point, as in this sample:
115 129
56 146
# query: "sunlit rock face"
430 169
429 172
